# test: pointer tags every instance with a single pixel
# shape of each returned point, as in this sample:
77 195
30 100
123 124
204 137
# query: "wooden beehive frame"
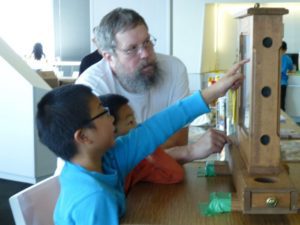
260 143
262 183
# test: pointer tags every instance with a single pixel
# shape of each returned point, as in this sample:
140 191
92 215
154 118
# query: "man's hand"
211 142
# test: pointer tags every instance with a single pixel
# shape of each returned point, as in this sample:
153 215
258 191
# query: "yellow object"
234 109
210 79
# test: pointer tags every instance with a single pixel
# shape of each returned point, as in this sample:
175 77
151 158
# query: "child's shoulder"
76 178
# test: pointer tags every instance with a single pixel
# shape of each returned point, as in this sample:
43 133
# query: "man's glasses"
137 49
105 112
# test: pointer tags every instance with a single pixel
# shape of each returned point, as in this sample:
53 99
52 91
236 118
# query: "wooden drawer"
282 200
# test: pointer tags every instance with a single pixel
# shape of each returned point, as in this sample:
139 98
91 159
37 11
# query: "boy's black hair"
114 103
283 46
60 113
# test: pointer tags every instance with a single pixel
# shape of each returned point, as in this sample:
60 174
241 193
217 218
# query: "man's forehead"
132 36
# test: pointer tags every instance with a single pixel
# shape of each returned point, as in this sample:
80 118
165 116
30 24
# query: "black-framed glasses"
135 50
105 112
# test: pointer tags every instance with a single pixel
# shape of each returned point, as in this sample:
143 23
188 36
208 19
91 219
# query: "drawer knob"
271 202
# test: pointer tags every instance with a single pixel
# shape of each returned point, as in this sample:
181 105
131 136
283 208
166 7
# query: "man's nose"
144 52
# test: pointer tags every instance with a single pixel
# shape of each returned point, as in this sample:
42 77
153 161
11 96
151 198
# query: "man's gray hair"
118 20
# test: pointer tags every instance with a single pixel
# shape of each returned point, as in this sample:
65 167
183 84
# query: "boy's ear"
81 137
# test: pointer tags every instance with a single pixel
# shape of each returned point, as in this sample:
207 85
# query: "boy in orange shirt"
159 167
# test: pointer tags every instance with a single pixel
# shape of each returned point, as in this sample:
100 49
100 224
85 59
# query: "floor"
7 189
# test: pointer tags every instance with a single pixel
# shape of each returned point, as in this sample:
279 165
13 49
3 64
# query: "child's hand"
232 80
234 77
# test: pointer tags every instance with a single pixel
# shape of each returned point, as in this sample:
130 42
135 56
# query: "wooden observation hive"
262 183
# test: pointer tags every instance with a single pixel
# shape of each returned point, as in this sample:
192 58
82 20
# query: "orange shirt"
156 168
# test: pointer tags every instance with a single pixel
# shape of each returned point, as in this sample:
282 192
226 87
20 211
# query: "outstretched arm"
144 139
180 138
211 142
232 80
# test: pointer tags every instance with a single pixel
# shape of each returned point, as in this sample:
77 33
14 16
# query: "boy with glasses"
73 123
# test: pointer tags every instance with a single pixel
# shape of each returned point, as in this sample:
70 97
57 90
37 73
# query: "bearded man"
131 68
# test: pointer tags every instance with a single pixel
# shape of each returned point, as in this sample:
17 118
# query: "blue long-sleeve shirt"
93 198
286 65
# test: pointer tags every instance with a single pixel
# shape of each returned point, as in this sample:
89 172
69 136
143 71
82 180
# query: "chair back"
35 204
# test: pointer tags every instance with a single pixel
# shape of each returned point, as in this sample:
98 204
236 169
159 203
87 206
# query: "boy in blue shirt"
74 125
286 65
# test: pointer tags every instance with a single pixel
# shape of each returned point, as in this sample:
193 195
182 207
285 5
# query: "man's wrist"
189 155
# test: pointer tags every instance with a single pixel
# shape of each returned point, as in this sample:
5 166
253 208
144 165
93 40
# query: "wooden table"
288 128
178 204
290 139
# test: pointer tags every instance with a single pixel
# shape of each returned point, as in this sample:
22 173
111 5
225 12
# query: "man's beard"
139 82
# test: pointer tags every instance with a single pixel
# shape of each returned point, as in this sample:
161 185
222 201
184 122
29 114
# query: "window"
24 23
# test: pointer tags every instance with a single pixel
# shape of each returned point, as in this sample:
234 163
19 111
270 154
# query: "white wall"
292 98
209 53
188 21
189 28
292 28
24 23
72 26
22 156
226 54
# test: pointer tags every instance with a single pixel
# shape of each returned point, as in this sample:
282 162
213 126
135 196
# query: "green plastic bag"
220 202
210 169
207 171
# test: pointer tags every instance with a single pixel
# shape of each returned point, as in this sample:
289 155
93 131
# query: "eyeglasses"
137 49
105 112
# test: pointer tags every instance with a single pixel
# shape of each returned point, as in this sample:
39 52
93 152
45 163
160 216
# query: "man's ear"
107 56
111 59
81 137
